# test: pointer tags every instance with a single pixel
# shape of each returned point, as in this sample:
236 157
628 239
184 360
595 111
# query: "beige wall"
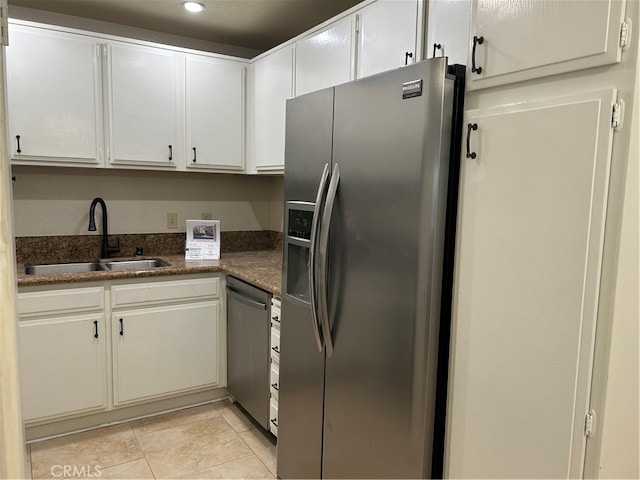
55 201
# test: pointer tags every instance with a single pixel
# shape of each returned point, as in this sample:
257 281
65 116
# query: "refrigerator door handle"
323 257
317 212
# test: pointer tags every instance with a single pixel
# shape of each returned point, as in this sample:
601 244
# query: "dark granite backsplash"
69 248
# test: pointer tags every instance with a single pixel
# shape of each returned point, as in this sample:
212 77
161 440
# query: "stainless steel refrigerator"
368 176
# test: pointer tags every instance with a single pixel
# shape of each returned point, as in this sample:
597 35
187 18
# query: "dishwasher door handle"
246 300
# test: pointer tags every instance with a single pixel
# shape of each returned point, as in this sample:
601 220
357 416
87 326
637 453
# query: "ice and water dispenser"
298 219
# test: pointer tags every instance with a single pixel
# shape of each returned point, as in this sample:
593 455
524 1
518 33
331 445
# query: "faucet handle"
115 249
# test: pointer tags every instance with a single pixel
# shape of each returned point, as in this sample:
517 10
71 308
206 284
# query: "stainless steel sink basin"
58 268
134 264
86 267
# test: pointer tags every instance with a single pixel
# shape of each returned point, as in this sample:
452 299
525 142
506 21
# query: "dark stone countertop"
262 268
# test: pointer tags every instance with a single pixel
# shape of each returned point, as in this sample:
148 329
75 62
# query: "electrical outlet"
172 220
206 216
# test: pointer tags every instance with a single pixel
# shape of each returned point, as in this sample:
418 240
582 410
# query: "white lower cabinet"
165 339
62 366
62 352
164 350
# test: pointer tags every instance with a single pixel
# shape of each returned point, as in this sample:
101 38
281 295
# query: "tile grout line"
223 463
172 426
254 452
144 455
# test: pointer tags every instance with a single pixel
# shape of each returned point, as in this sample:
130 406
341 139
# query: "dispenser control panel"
299 223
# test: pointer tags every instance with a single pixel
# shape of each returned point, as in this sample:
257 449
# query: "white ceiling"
258 24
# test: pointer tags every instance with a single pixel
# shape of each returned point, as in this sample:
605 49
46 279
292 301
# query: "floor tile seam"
141 437
229 433
174 425
113 466
105 467
234 428
259 432
254 452
201 469
144 455
220 464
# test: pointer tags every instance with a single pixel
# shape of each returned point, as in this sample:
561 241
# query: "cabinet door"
145 94
53 97
536 38
530 240
62 366
164 350
215 113
448 30
272 86
387 36
325 58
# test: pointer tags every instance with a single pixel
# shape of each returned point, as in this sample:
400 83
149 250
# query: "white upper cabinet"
54 97
272 86
146 88
215 92
325 58
386 36
541 37
531 219
448 30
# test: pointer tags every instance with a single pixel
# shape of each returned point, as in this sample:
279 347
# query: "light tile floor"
216 440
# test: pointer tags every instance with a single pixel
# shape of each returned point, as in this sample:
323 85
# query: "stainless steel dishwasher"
248 344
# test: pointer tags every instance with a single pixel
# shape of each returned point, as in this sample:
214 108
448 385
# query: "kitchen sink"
134 264
58 268
86 267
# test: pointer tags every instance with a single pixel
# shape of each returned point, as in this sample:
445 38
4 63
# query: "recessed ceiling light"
194 7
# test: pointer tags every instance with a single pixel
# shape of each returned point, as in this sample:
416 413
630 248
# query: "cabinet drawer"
69 300
273 417
275 312
164 292
275 344
275 379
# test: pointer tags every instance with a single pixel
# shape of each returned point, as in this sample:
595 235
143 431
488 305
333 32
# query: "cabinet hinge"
625 34
590 424
617 115
4 23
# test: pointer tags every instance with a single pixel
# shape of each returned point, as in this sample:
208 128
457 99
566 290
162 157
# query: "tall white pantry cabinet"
542 179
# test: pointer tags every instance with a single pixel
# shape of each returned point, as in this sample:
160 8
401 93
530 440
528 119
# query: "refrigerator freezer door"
309 131
391 143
